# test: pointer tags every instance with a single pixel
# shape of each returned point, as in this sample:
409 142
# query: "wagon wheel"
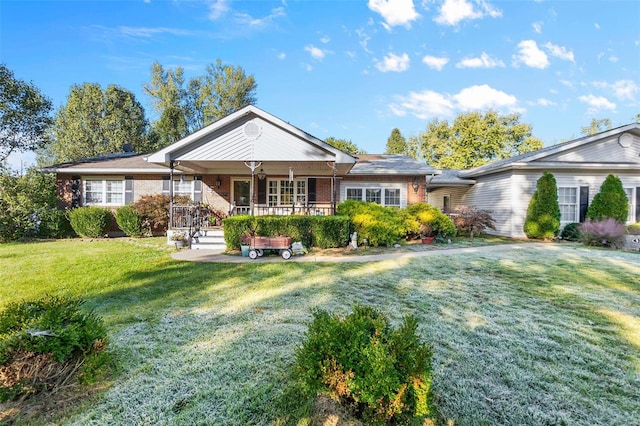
260 252
253 254
286 254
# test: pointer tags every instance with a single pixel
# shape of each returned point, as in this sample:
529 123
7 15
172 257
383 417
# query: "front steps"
209 239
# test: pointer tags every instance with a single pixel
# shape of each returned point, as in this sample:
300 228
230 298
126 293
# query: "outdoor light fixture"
416 184
218 182
262 175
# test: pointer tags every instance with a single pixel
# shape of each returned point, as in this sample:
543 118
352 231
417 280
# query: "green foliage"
28 207
381 226
474 139
596 126
431 221
396 144
154 211
24 115
543 213
50 326
95 122
607 232
571 232
312 231
381 372
611 201
90 222
345 146
129 221
634 229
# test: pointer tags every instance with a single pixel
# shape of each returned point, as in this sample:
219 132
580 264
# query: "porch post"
334 187
252 165
170 194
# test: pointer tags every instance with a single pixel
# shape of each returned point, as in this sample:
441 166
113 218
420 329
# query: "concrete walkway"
218 257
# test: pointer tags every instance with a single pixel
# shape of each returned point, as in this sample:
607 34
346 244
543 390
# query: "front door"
241 193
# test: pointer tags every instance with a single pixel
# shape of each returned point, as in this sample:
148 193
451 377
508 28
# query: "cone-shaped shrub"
543 214
611 201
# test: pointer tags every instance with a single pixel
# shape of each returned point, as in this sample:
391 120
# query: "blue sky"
351 69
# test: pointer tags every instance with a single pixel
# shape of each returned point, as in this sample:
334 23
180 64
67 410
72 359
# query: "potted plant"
426 234
179 238
245 241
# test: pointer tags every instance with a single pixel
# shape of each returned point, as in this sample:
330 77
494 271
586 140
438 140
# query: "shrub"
53 223
90 222
431 221
384 374
611 201
606 233
543 213
154 211
470 220
43 342
571 232
381 226
634 229
129 221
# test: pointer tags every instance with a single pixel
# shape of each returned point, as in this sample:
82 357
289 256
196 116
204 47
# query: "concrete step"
209 239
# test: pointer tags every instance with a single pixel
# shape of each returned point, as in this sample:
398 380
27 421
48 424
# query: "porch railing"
191 217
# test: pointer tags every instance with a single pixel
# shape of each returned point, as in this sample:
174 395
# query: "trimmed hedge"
429 217
90 222
381 226
312 231
129 221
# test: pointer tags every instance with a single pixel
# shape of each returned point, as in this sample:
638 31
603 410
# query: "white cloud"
537 26
543 102
428 104
531 55
325 40
148 32
483 97
624 90
281 55
393 62
315 52
452 12
559 52
597 26
435 62
364 40
217 9
395 12
484 61
597 103
250 21
613 58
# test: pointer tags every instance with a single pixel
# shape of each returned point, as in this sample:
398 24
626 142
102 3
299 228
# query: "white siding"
456 194
494 193
601 151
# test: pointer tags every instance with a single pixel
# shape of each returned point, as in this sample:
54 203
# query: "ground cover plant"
544 335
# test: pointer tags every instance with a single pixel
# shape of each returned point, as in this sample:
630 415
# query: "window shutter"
584 202
311 190
262 191
197 189
76 191
637 218
165 185
128 189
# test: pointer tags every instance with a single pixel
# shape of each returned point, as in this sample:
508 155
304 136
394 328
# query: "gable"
623 148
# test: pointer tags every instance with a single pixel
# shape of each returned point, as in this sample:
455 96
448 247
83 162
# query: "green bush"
381 226
543 213
634 229
384 374
129 221
571 232
51 330
430 220
53 223
90 222
611 201
312 231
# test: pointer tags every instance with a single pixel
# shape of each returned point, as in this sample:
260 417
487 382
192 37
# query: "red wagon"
258 245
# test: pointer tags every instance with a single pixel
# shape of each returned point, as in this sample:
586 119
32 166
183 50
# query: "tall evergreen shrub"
610 202
543 214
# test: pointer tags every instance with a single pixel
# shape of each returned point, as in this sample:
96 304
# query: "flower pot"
180 243
428 240
244 250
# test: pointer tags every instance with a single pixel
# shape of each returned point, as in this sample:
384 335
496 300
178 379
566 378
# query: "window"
384 196
190 187
568 202
632 209
284 192
108 192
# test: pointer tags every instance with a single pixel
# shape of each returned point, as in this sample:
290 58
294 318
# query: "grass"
546 335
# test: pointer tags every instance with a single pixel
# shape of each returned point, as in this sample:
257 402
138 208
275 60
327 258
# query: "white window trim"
383 187
190 181
295 194
632 205
103 181
576 217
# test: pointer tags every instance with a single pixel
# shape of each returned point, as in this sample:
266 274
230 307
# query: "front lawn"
545 335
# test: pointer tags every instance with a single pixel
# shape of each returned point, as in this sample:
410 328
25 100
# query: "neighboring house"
579 166
254 162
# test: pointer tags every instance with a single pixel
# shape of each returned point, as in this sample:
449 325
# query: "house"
252 162
579 166
249 162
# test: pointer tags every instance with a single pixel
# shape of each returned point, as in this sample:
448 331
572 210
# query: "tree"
596 126
543 214
24 115
345 146
396 144
610 202
95 122
223 90
474 139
